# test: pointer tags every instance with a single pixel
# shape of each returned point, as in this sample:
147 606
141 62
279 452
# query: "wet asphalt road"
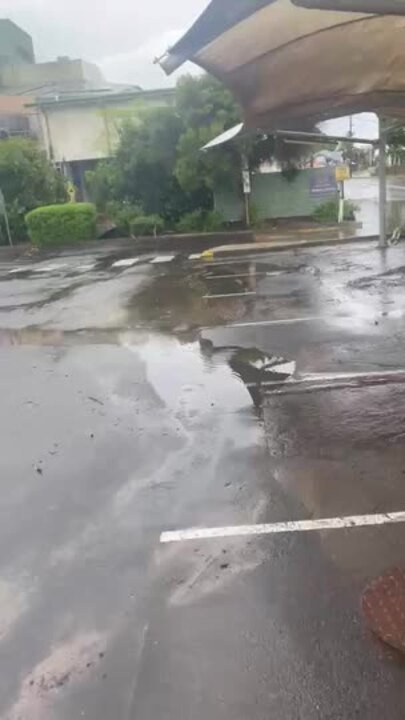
132 403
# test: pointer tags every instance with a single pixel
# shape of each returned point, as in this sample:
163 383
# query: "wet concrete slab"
132 405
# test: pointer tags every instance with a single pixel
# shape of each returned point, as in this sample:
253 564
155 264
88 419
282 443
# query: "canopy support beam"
382 182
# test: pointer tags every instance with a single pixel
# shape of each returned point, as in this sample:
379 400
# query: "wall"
77 132
274 197
17 118
15 44
64 74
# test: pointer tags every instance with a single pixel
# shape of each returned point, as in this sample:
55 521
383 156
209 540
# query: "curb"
267 247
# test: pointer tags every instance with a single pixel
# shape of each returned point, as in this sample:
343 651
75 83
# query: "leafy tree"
207 109
396 144
27 180
142 169
145 158
159 164
102 184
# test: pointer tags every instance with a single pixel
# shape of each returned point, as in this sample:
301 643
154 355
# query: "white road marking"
337 523
283 321
126 262
288 368
194 256
85 268
355 375
49 268
338 381
162 259
227 295
233 276
18 270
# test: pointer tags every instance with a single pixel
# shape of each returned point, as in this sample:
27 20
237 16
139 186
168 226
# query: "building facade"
67 105
78 130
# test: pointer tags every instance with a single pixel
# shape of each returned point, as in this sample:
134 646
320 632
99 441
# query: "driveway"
144 397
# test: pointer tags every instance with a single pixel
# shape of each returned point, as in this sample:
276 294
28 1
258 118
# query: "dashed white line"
352 375
220 296
126 262
162 259
234 276
336 523
281 321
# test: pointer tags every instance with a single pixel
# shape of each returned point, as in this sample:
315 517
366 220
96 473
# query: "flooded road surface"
363 192
141 398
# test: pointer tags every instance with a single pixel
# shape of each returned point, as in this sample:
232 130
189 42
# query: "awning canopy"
293 60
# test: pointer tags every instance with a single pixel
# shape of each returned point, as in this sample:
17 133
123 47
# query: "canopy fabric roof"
286 62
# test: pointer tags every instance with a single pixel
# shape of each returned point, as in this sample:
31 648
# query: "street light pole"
382 182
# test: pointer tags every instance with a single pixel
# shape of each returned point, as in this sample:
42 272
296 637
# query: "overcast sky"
121 36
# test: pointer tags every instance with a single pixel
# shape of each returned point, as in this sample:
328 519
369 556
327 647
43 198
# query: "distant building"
67 104
63 74
16 46
80 129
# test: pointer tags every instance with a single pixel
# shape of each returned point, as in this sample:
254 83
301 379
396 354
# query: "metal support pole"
247 210
246 186
10 240
382 181
341 216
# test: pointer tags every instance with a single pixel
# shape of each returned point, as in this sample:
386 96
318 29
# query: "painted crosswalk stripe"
162 259
126 262
336 523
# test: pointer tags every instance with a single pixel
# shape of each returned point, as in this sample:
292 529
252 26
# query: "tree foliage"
396 144
206 110
159 164
27 180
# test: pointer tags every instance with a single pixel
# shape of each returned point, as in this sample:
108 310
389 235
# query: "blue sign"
322 182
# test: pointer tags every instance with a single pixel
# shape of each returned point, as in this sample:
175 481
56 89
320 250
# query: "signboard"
342 173
322 182
71 191
246 182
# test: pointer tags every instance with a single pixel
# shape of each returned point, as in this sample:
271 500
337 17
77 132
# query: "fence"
273 196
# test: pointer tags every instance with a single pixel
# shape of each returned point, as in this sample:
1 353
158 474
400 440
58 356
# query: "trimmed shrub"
200 221
329 211
60 224
146 225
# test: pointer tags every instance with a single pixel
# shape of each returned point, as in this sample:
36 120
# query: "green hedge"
60 224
